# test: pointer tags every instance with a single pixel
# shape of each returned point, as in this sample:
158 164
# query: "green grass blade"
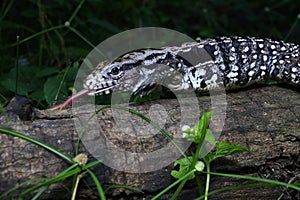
37 142
81 36
37 195
8 7
124 187
278 183
294 25
173 185
98 185
228 188
65 174
38 34
89 165
19 185
62 82
76 11
3 97
164 132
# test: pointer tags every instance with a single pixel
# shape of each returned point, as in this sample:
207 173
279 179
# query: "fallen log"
265 120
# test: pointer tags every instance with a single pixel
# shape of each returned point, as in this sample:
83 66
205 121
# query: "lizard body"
230 62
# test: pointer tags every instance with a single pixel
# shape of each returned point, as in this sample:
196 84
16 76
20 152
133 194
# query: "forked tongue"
70 99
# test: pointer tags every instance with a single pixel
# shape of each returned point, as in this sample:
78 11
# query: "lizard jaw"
104 87
105 90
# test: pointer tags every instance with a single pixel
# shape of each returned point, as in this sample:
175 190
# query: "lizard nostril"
89 82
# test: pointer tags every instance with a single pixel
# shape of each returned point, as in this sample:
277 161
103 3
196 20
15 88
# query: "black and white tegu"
235 62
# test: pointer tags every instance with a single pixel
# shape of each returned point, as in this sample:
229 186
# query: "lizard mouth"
105 88
100 91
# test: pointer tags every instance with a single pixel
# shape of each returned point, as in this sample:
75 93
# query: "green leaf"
208 158
10 84
47 71
51 89
71 73
209 137
200 132
184 168
37 95
201 128
226 149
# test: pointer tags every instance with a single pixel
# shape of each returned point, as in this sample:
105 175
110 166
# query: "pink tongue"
70 99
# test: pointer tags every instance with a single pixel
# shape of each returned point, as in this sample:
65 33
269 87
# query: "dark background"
48 61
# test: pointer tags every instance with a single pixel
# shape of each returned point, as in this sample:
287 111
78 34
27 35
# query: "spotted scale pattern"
231 62
243 61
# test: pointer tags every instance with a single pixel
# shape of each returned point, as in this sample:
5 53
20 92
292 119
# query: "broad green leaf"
226 149
47 71
209 137
51 89
208 158
71 73
10 84
184 167
37 95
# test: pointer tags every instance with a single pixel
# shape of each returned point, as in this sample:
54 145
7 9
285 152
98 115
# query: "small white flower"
199 166
184 128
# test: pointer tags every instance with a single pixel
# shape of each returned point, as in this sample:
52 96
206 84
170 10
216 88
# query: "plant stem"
202 128
207 181
178 190
200 187
17 65
76 11
173 184
87 41
82 37
39 33
294 25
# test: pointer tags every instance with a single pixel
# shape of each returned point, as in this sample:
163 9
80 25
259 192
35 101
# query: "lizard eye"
115 71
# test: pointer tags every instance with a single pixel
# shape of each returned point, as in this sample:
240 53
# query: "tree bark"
265 120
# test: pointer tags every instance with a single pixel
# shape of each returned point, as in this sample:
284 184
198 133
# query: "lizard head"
137 72
104 78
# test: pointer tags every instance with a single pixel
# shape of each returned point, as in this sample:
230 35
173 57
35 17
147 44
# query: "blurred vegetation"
43 66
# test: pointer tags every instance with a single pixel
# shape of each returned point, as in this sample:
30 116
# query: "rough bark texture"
265 120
